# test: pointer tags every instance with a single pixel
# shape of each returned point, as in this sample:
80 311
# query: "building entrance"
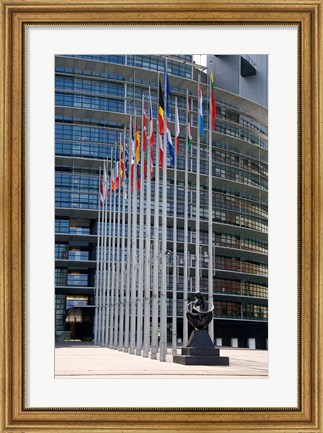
79 322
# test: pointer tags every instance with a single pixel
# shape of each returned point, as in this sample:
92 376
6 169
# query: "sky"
200 59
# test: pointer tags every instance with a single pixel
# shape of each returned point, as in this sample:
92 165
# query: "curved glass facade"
94 97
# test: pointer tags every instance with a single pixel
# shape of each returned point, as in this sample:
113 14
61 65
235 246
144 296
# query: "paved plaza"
79 359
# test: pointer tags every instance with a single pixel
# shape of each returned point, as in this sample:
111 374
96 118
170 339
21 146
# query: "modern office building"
95 97
245 75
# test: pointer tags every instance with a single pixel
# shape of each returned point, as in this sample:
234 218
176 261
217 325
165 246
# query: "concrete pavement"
80 359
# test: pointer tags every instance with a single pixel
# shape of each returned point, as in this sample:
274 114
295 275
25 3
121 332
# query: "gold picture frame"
15 15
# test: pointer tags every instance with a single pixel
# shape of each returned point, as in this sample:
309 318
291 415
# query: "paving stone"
77 359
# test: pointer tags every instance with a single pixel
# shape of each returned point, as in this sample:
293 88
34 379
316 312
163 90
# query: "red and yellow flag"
137 144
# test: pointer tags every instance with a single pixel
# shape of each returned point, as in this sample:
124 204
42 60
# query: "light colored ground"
76 359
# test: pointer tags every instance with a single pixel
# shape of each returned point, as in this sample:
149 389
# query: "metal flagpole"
185 288
197 234
154 318
122 275
186 276
98 243
141 238
163 288
109 267
113 273
175 264
148 237
103 261
104 287
129 241
100 288
101 267
117 285
210 225
134 258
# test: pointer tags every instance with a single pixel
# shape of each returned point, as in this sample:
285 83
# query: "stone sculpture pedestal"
200 351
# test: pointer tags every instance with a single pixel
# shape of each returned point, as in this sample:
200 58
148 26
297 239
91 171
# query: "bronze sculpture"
200 349
200 312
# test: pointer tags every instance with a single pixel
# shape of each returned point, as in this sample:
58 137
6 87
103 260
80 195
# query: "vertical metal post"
98 270
163 288
148 240
210 219
134 259
198 153
154 324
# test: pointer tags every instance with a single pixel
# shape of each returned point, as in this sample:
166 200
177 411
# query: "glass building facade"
94 98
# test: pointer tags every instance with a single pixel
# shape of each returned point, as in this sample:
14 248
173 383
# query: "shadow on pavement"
74 344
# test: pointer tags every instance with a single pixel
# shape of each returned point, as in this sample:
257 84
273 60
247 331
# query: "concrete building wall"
255 87
227 75
225 72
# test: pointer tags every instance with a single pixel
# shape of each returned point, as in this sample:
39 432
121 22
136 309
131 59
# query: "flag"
117 176
126 155
137 144
201 111
112 172
177 129
132 161
168 133
122 163
189 125
161 151
213 103
100 188
105 184
170 143
161 114
151 123
132 144
167 92
144 132
144 137
126 159
151 135
161 111
138 175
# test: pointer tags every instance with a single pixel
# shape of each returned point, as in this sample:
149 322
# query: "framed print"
107 303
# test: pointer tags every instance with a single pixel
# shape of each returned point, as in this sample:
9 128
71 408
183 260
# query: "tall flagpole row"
133 268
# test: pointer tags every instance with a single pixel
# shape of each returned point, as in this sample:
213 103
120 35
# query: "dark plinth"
200 351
